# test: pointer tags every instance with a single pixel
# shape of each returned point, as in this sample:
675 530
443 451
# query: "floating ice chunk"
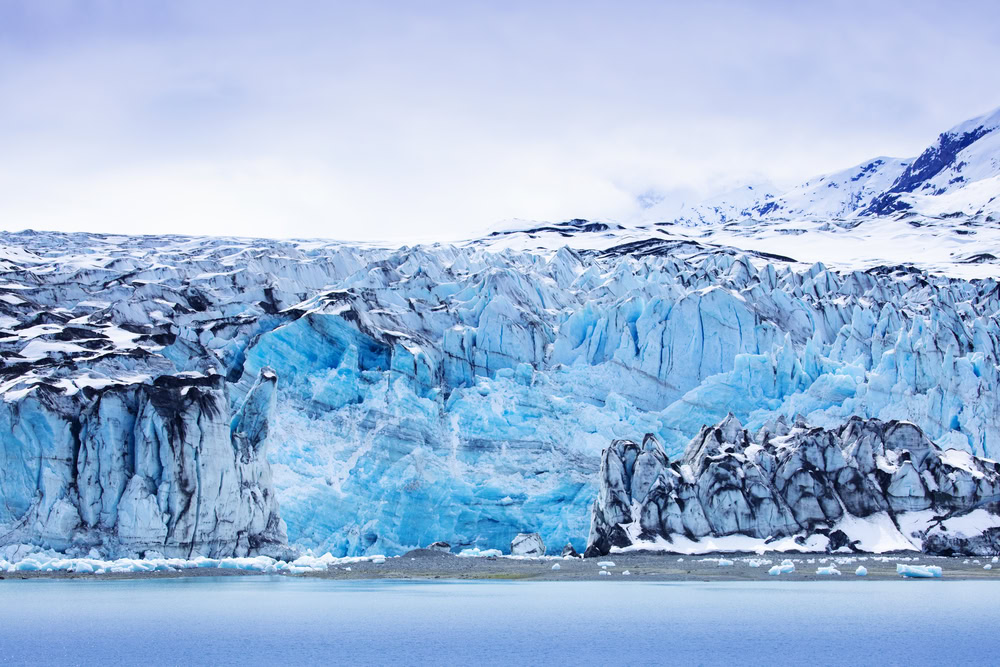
604 573
988 566
557 567
626 573
606 563
476 552
918 571
725 562
862 571
828 571
378 560
786 567
995 559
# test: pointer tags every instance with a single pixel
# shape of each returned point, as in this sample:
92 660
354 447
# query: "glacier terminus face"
221 397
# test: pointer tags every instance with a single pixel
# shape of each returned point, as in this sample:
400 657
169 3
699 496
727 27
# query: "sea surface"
279 620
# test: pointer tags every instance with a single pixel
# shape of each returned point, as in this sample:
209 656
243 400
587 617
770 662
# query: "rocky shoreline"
425 564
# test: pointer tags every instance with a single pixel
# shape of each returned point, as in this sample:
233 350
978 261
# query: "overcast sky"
417 120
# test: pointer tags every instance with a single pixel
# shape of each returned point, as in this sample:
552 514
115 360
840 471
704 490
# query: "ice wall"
457 393
150 467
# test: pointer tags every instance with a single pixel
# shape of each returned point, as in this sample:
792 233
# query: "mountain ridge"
963 155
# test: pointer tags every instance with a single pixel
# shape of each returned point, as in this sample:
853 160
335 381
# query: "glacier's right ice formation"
866 486
433 392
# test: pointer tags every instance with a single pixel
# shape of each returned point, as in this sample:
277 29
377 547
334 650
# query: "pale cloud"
431 120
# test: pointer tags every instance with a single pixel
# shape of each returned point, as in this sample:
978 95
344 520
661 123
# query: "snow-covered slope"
837 195
462 393
740 203
962 166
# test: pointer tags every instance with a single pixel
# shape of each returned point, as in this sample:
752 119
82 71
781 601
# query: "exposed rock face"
527 544
443 547
148 466
569 550
799 482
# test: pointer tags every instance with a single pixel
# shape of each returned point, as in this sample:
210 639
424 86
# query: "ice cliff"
148 467
866 486
170 394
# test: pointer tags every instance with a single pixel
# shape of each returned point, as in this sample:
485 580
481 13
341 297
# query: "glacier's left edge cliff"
154 466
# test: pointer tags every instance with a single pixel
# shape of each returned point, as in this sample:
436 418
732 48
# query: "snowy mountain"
958 175
866 486
728 206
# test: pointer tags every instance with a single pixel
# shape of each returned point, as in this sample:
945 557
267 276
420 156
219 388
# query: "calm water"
255 620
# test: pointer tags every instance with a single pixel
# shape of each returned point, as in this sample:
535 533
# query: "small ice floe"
828 571
606 563
996 559
862 571
918 571
786 567
604 573
725 562
476 552
626 573
988 566
378 560
557 566
347 569
680 560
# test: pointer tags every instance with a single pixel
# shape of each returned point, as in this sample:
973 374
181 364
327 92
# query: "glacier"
445 392
230 397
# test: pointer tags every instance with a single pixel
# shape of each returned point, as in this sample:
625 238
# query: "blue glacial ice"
210 396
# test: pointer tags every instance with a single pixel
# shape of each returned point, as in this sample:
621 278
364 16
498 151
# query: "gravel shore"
427 564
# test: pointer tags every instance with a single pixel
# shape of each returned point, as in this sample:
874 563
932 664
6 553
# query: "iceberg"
918 571
786 567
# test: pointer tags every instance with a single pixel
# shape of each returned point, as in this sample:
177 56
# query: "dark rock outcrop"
797 481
